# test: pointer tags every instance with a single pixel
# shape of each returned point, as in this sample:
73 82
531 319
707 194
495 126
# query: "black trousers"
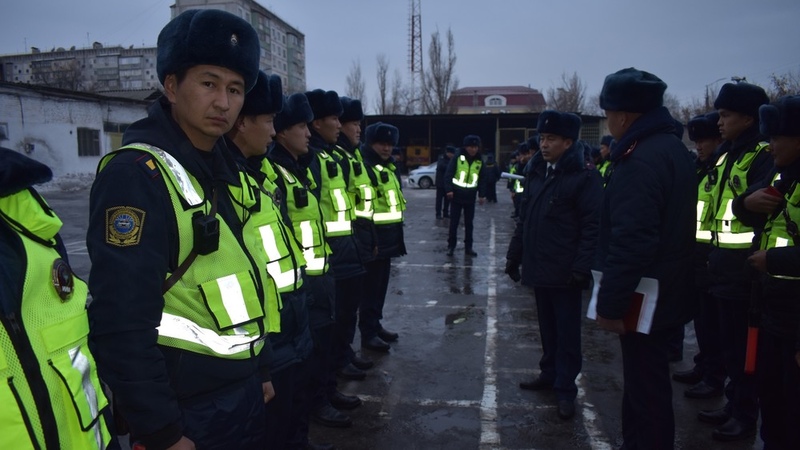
349 293
376 283
455 217
559 311
710 361
779 391
233 418
442 202
281 411
300 414
741 391
648 422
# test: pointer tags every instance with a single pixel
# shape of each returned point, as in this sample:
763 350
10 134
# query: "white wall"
50 124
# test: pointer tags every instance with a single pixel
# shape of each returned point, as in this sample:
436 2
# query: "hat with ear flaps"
324 103
703 126
352 111
295 110
472 140
781 118
266 97
632 90
450 149
208 37
743 98
382 132
567 125
606 140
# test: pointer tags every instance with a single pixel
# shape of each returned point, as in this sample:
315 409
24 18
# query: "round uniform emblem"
736 181
124 225
63 281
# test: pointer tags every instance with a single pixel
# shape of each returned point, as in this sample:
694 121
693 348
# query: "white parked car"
423 177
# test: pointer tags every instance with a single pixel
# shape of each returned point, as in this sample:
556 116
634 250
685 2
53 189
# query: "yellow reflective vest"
466 174
335 203
389 204
220 305
781 230
727 230
359 187
50 396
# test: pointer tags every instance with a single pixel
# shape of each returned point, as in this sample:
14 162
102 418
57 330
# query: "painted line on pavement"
490 438
451 403
597 439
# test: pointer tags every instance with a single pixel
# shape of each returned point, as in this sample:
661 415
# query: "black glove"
579 280
512 269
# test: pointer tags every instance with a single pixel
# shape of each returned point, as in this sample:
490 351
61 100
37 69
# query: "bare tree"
569 97
694 107
383 70
401 101
356 85
592 106
439 80
786 84
62 74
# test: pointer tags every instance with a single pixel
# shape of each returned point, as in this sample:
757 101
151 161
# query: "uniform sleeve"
588 208
449 173
129 245
760 168
316 172
635 218
784 261
747 217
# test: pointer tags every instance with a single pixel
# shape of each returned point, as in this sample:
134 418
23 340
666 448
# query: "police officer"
517 187
604 164
774 204
388 211
178 319
348 364
745 162
464 178
707 377
290 158
346 267
555 240
647 228
442 202
492 176
291 345
43 325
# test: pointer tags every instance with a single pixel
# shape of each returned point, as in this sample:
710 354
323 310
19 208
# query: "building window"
495 100
88 142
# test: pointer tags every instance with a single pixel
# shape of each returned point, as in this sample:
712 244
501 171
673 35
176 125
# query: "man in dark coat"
442 202
647 229
555 240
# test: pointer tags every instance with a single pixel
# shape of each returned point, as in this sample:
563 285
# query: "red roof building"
496 100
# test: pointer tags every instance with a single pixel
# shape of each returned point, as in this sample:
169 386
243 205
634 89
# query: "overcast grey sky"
688 43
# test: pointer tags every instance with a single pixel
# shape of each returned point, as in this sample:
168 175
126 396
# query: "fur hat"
703 126
781 118
472 139
524 148
324 103
382 132
632 90
450 149
533 142
352 110
567 125
743 98
295 110
208 36
606 140
266 97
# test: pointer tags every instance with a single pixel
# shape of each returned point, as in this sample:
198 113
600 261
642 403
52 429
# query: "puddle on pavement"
460 316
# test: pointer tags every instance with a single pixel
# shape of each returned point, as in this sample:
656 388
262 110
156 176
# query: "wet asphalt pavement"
468 335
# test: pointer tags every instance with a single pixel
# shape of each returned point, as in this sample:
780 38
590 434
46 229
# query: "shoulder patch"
124 226
146 162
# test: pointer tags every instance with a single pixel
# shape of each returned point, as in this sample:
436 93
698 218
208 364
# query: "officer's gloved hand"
512 269
579 280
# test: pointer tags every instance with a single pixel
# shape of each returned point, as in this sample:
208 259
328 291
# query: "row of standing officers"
229 272
718 237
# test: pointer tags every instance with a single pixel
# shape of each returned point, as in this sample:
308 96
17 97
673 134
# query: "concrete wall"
45 125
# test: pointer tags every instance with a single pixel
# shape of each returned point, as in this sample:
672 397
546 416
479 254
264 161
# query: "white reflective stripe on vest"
189 192
341 224
313 262
701 235
233 299
735 238
282 279
387 217
177 327
781 242
81 363
366 193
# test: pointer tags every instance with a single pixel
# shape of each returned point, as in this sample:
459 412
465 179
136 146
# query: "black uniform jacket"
441 168
390 238
703 249
556 234
148 380
363 230
780 298
460 194
727 267
647 224
345 257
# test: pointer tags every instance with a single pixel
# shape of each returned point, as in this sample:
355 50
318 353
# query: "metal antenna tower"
415 52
